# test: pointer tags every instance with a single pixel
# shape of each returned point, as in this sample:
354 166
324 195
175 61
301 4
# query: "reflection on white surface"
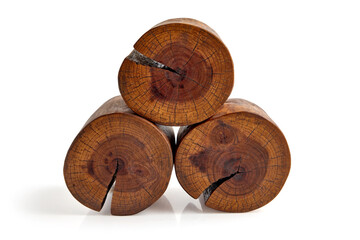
54 208
55 204
57 200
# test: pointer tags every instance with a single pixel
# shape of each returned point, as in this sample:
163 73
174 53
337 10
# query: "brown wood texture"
238 159
179 73
117 145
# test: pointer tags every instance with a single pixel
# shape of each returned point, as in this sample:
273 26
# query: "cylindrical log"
238 159
117 145
179 73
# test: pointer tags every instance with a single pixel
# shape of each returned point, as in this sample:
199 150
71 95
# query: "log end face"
240 161
181 75
123 149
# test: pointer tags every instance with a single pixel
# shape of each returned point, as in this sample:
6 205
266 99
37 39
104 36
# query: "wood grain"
238 159
117 145
179 73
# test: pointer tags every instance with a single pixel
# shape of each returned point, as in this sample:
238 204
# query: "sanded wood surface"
179 73
117 145
238 159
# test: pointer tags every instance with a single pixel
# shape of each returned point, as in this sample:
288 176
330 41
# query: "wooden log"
238 159
117 145
179 73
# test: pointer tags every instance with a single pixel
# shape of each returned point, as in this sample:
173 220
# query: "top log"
179 73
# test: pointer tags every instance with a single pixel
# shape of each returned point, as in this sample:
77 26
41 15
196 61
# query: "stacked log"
117 145
180 73
238 159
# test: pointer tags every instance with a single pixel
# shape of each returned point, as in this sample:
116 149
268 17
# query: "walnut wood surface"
238 159
117 145
179 73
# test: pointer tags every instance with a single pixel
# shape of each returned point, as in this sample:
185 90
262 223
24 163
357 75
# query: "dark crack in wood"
139 58
209 190
111 183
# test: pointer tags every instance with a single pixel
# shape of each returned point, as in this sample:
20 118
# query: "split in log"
117 145
238 159
179 73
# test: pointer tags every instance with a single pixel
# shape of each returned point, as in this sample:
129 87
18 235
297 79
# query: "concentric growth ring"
116 145
179 73
238 159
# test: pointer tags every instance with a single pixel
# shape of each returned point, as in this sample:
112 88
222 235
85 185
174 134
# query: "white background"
298 60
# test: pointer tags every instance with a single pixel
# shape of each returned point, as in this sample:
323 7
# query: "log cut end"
124 149
179 73
239 159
